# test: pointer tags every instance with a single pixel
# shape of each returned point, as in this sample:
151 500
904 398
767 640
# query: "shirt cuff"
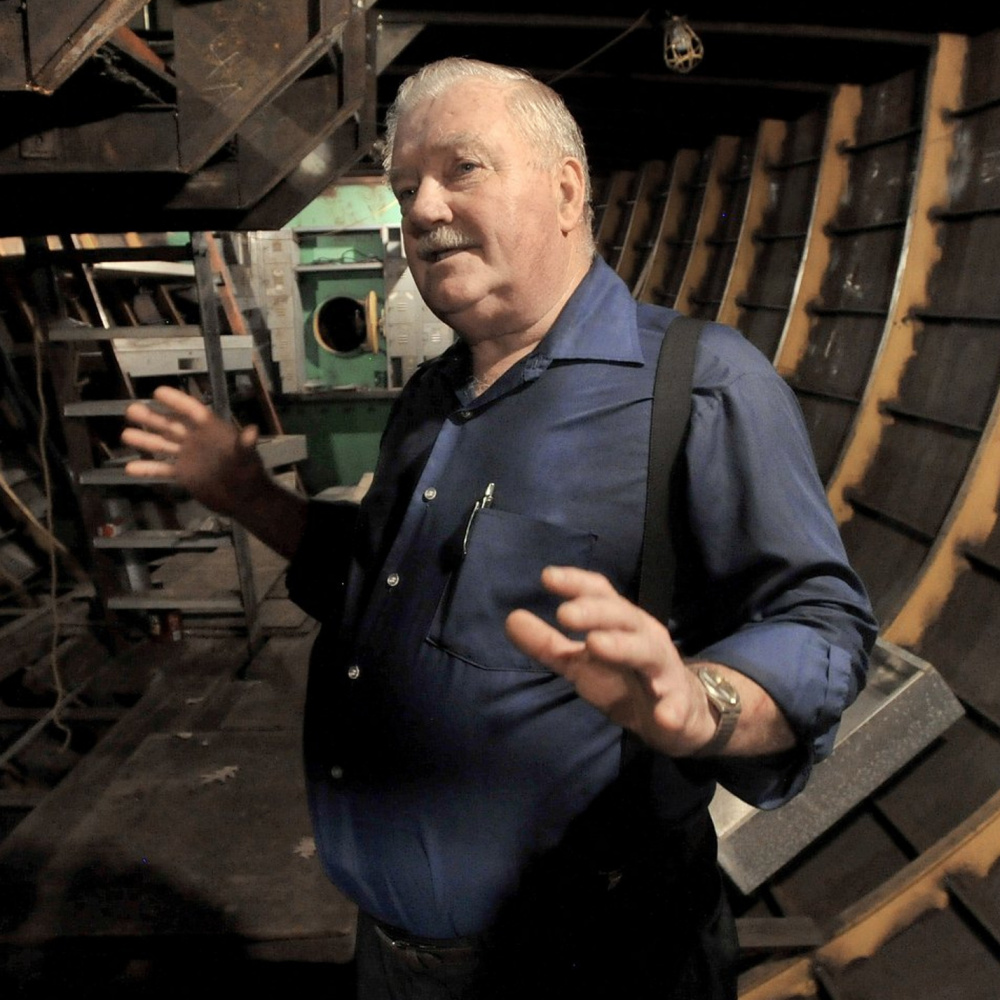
811 680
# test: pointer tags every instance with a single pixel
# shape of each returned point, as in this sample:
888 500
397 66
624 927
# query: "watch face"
719 690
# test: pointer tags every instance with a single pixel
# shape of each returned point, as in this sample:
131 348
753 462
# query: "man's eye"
467 167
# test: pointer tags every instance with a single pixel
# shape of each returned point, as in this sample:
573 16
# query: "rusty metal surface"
13 72
233 58
352 137
327 161
283 133
904 708
63 33
128 140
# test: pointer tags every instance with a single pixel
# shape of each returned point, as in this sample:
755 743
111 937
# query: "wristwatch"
726 700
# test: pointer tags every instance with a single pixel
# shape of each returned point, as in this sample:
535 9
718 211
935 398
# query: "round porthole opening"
339 325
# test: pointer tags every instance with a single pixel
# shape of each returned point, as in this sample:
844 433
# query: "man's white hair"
537 111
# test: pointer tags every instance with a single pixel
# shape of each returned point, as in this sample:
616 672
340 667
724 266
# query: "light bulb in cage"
682 48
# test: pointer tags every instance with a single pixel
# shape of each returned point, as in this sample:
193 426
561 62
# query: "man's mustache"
441 239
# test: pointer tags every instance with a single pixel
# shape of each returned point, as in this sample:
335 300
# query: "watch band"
726 700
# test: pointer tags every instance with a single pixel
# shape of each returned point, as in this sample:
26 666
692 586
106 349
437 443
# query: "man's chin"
449 297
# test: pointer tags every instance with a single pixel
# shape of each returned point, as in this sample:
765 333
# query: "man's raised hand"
212 459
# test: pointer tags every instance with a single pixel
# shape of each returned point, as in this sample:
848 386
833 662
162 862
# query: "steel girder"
255 91
43 42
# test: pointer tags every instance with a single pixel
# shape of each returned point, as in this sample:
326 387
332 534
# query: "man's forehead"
470 140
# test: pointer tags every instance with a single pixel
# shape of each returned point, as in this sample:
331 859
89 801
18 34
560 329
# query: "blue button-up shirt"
440 758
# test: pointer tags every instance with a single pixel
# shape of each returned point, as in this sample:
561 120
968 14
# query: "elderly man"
481 652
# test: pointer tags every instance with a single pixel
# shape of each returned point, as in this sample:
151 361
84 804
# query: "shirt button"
430 493
465 414
354 672
336 772
392 579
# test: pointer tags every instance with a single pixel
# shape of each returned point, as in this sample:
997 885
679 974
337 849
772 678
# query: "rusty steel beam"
352 137
13 71
62 34
127 141
293 128
328 161
129 43
231 58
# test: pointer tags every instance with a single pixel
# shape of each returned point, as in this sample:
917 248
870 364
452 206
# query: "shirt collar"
598 323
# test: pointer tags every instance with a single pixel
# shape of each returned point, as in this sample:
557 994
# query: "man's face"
484 225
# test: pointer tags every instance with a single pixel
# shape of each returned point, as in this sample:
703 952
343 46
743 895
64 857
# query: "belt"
426 953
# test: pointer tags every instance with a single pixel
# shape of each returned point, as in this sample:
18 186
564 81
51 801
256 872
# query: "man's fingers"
146 468
540 640
144 416
146 441
604 611
249 435
185 406
571 581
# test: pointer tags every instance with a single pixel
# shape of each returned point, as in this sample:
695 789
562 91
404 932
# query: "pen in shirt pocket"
486 500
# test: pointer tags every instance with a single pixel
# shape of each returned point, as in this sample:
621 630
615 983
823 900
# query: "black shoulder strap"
668 427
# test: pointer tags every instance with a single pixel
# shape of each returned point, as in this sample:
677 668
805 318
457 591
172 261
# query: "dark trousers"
657 927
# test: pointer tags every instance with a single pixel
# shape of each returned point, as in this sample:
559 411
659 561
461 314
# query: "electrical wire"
43 431
604 48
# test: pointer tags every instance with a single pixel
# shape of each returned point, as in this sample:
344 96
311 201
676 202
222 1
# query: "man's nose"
430 206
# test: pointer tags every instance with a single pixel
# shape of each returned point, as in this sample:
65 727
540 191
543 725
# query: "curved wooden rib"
970 521
610 217
724 159
830 185
769 141
647 209
919 255
651 283
972 848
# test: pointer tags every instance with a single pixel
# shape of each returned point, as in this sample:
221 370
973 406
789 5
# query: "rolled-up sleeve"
764 583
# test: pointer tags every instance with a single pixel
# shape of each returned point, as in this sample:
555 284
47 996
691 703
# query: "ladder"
134 525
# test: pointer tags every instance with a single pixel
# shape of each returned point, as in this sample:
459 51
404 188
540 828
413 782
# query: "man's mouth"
434 256
441 244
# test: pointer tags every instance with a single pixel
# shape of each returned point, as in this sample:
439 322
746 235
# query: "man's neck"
493 356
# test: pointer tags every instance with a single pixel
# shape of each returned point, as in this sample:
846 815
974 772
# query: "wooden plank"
770 138
648 200
238 326
778 933
972 847
830 186
937 949
609 222
666 239
724 158
921 251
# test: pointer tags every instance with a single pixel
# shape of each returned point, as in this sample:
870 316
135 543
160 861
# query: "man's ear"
572 188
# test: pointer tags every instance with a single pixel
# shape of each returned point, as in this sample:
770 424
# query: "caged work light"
682 48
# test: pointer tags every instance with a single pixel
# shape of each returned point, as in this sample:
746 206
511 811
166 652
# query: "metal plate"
233 58
905 706
63 33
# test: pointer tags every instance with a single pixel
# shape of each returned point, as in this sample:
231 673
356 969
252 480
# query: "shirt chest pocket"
501 569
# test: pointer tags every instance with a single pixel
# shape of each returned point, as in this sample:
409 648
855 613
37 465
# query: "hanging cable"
604 48
43 432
